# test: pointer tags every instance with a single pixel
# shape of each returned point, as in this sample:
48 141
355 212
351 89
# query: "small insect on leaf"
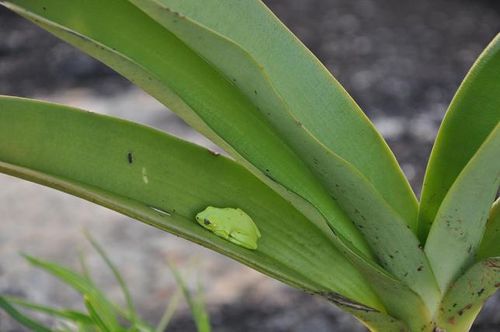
231 224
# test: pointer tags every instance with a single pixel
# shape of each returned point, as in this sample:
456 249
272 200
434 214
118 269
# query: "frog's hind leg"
243 240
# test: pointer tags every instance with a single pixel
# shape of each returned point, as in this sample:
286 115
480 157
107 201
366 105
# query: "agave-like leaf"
157 179
490 244
399 299
181 79
456 233
384 228
376 321
252 47
470 119
467 295
84 24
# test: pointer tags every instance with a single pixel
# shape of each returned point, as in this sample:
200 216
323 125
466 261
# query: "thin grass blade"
196 305
71 315
21 318
132 314
169 312
98 317
106 310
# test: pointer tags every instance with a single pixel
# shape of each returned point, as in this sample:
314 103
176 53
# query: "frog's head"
204 220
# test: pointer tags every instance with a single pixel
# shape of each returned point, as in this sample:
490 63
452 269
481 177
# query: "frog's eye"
206 221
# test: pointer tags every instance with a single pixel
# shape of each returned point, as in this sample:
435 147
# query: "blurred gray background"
400 60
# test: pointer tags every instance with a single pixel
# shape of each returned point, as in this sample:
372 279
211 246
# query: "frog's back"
247 222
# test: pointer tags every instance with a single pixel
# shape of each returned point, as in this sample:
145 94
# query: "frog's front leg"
222 233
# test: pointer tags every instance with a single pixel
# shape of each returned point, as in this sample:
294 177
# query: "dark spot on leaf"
481 291
454 305
467 307
130 158
206 221
420 268
255 91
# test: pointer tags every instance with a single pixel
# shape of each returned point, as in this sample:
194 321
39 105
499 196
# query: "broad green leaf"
71 315
467 295
21 318
157 179
246 42
490 244
460 222
385 230
471 117
156 60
